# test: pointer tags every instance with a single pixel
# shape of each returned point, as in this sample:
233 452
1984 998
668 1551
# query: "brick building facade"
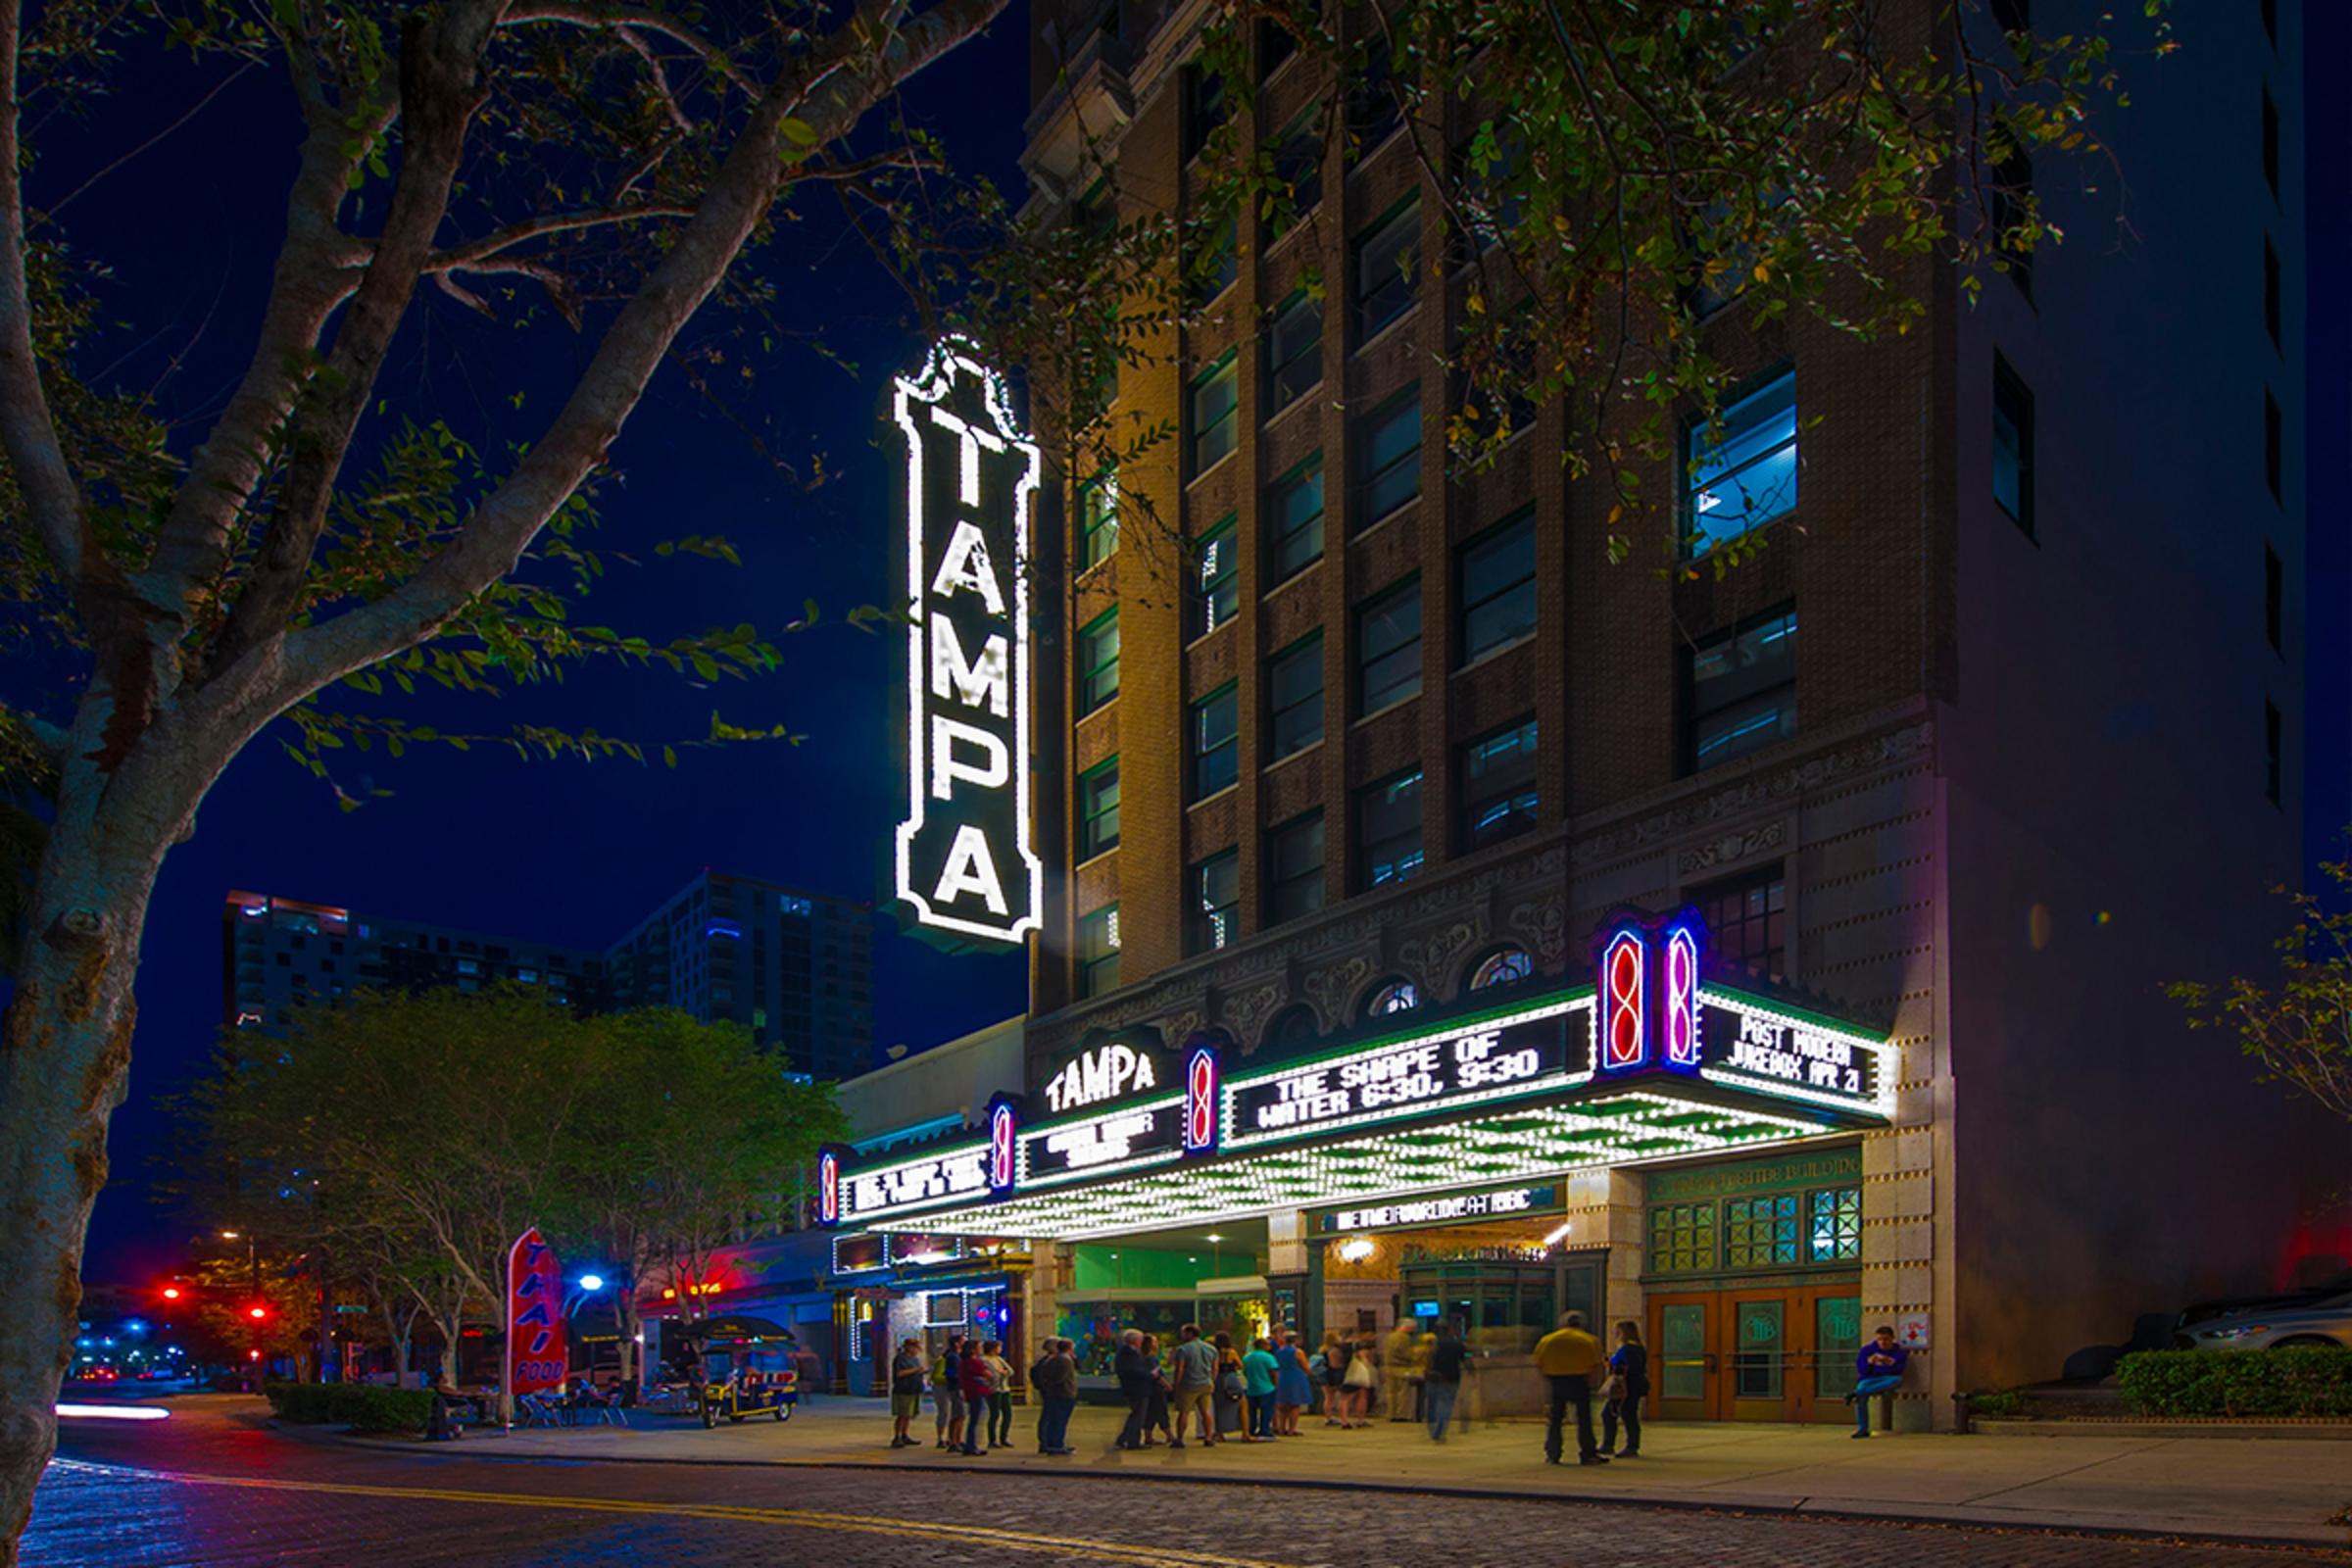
1994 736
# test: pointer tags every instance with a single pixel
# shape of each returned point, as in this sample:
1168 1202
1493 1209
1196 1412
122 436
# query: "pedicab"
747 1370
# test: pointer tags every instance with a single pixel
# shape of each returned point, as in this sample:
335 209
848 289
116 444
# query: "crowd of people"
1207 1388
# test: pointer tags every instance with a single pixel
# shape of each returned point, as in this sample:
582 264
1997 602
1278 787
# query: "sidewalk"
2279 1491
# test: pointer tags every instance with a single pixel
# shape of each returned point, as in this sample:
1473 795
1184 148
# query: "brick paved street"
212 1486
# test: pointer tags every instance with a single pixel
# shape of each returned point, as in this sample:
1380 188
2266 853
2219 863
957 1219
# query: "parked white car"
2322 1323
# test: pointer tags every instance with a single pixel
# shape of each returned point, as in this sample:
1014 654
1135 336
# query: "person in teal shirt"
1259 1369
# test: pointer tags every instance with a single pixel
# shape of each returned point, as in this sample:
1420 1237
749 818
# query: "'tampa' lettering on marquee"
965 862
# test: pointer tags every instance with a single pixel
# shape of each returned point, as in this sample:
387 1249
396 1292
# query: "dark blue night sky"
566 852
573 853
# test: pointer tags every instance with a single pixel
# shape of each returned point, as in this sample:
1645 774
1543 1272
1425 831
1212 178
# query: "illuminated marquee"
1001 1128
912 1183
1751 1044
965 862
1517 1053
1122 1137
1444 1210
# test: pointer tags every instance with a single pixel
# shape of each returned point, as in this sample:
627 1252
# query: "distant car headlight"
2239 1333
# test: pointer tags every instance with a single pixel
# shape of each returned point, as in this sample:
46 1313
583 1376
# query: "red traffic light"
171 1292
256 1313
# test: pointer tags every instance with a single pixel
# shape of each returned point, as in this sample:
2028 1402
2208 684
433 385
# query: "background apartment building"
793 968
1999 732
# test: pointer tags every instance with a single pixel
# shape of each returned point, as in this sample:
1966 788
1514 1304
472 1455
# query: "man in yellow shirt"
1570 1359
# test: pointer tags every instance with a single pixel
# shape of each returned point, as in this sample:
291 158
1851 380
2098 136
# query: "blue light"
135 1326
722 928
592 1282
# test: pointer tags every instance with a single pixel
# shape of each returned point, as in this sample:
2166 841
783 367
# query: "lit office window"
1743 475
1739 690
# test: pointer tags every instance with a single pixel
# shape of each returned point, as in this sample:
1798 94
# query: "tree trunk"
65 1059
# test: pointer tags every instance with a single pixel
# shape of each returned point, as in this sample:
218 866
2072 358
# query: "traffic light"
256 1313
171 1292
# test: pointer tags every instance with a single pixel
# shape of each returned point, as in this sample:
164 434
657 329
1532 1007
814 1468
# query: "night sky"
568 853
572 852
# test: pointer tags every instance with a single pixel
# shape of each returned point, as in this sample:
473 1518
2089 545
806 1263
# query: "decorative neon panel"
1201 1099
1678 1005
965 862
1622 1023
1001 1147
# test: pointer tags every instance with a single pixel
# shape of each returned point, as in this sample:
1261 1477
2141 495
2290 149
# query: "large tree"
619 157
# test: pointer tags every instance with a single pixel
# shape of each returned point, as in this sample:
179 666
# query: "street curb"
2334 1540
2219 1431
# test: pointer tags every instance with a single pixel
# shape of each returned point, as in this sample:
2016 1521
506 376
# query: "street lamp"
592 1282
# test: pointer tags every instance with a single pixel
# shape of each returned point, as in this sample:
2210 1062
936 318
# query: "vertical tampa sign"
965 862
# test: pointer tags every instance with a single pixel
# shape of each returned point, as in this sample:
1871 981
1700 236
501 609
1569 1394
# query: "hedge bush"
2304 1381
362 1407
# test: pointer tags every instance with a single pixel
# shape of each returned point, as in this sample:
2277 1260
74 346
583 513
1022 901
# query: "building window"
1389 458
1388 830
1501 967
2008 208
1375 112
1217 263
1761 1231
2270 140
1213 404
1099 661
1681 1238
1216 742
1499 787
1099 952
1295 868
1295 506
1836 1233
1216 902
1497 587
1098 519
1396 995
2274 749
2274 293
1219 588
1298 163
1493 194
1293 1025
1099 809
2012 445
2273 446
1386 268
1388 648
1276 45
1294 351
1205 108
2273 599
1743 475
1739 690
1747 923
1295 699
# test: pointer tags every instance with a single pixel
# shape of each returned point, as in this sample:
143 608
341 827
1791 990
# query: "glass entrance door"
1759 1359
1683 1381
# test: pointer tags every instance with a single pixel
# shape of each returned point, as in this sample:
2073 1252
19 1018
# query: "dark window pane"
1099 809
1293 352
1388 830
1295 699
1747 922
1214 402
1389 459
1205 108
1218 586
1387 269
1295 868
1499 587
1216 902
1498 786
1216 742
1099 952
1741 688
2012 445
1388 649
1295 510
1298 163
1098 663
